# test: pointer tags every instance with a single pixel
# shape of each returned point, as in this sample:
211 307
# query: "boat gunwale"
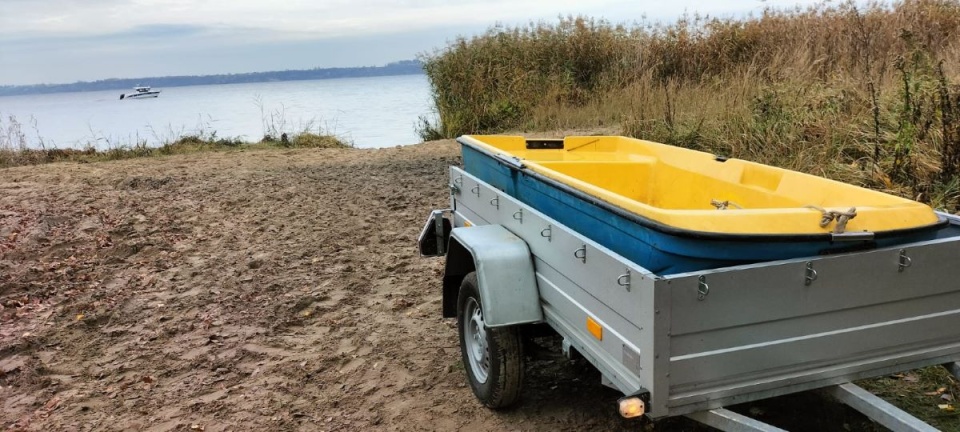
695 234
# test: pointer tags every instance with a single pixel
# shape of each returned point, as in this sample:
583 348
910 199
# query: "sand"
248 290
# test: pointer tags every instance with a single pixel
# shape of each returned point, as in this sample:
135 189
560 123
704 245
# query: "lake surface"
370 112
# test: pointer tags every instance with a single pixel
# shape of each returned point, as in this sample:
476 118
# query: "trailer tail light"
631 407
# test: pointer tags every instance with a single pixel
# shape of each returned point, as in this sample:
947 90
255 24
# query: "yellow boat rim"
697 191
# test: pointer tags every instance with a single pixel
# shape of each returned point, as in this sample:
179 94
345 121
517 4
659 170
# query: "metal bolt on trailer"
692 343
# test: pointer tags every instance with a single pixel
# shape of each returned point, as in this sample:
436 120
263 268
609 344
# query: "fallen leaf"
946 407
941 389
910 378
52 404
79 317
947 397
196 427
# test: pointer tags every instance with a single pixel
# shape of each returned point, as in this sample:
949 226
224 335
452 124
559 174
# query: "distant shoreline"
406 67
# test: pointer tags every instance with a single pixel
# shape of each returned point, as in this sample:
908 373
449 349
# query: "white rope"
827 216
723 205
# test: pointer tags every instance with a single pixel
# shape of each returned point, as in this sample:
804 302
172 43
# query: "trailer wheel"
492 357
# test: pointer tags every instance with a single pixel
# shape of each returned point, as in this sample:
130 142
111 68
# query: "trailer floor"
267 290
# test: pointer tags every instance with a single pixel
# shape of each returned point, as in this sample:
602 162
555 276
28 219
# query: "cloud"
291 19
68 40
137 38
165 30
310 19
201 50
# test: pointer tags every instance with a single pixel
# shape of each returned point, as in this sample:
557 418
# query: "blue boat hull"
661 250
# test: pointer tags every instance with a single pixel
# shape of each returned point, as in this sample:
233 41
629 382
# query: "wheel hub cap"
475 337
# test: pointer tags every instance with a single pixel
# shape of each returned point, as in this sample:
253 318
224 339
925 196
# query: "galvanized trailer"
692 343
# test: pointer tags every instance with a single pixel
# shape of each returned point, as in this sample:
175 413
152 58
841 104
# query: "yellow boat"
680 195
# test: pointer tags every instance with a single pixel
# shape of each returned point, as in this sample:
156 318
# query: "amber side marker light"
631 407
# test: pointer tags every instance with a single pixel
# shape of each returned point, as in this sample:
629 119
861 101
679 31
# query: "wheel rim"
475 338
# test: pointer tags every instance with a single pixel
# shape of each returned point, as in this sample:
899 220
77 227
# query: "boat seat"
627 179
732 182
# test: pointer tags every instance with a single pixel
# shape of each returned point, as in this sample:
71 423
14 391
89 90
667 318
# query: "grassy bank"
864 94
17 150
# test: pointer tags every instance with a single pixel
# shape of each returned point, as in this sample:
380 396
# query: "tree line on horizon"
404 67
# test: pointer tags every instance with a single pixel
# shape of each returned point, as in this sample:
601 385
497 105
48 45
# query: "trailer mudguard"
504 266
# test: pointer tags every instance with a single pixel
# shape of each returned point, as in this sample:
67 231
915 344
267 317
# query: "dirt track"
266 290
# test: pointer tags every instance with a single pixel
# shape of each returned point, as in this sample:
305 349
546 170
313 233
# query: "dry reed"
863 94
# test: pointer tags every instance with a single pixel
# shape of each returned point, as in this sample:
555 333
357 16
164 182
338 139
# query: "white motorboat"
141 92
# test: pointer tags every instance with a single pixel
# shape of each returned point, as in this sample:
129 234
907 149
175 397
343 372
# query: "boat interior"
666 182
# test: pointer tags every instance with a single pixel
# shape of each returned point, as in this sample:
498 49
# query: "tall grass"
861 93
19 146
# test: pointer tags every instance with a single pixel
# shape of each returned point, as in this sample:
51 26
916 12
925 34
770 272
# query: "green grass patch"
14 150
11 157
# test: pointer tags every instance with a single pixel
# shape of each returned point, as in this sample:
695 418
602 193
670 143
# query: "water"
370 112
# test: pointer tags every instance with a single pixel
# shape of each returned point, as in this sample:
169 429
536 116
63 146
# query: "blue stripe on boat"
661 253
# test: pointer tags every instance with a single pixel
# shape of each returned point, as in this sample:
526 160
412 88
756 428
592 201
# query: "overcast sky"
55 41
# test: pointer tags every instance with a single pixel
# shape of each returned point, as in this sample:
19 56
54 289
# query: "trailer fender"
505 275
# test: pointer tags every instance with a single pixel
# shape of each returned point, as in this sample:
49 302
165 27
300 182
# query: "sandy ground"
256 290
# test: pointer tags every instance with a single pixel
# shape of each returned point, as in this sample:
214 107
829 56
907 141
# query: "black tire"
498 386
